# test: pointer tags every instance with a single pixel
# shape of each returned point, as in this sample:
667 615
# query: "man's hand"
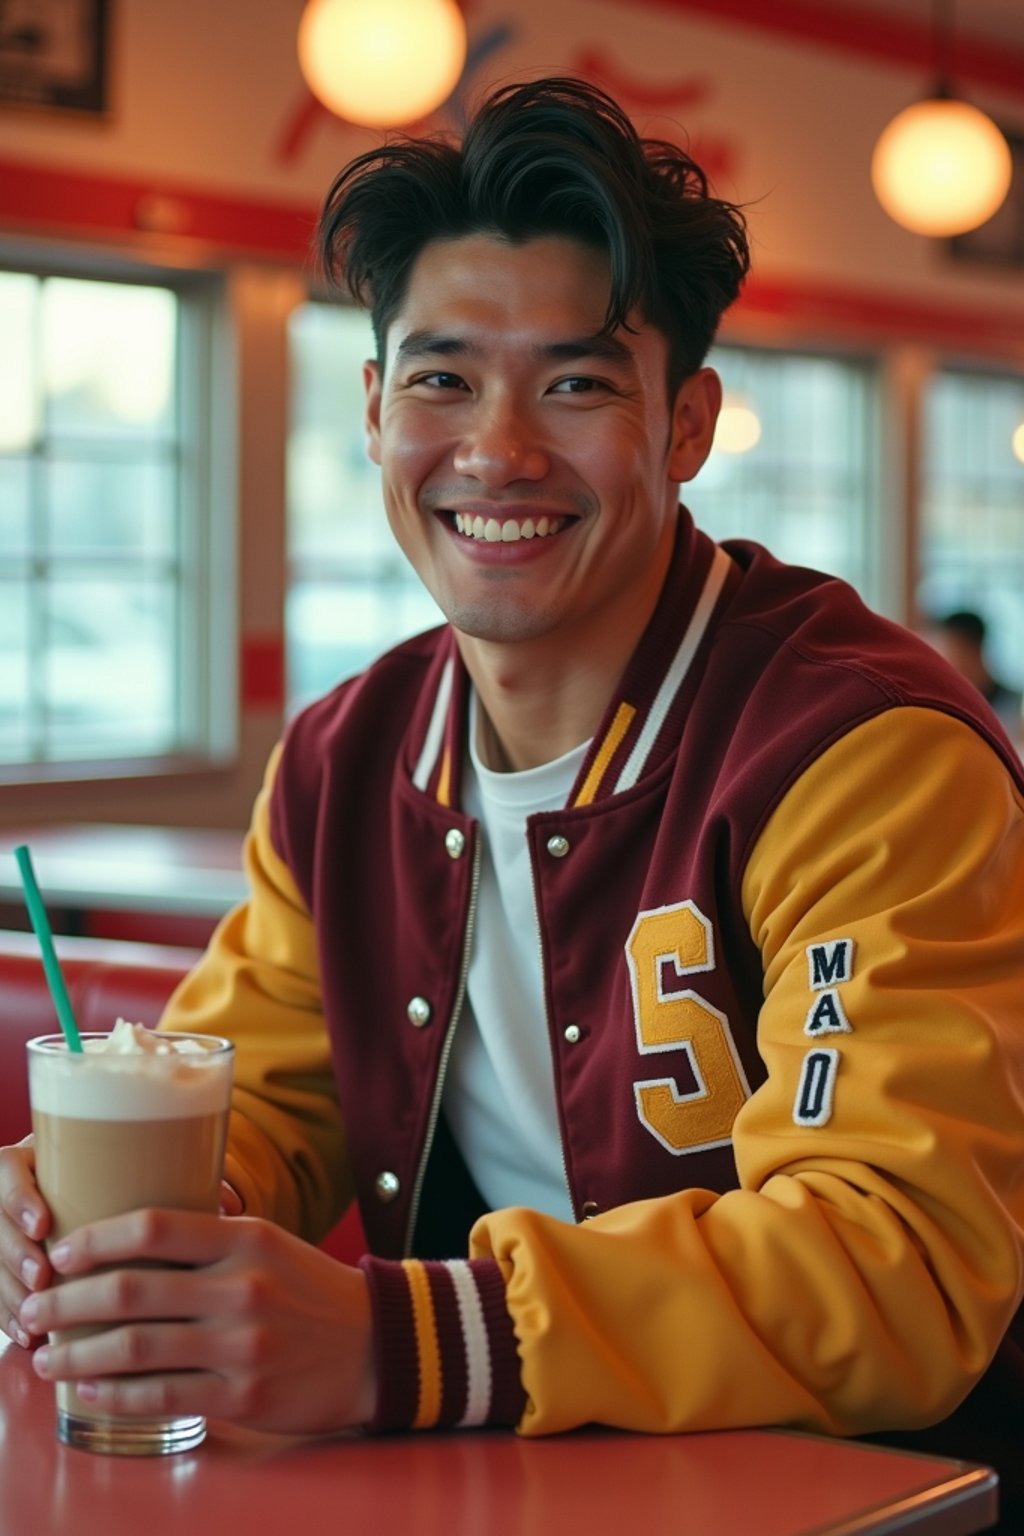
259 1328
24 1223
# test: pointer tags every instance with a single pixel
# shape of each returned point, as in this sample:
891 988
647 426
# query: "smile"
490 531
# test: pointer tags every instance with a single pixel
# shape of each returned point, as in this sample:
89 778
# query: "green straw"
51 965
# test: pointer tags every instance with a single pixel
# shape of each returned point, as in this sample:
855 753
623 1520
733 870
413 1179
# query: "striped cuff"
444 1345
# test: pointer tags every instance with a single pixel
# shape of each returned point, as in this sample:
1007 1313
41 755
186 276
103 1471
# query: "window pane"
15 484
972 514
335 628
18 393
109 674
106 505
351 592
15 650
802 487
108 358
91 520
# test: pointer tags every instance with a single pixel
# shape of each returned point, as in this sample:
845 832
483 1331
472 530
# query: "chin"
497 625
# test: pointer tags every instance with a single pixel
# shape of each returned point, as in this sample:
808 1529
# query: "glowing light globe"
941 167
382 63
739 427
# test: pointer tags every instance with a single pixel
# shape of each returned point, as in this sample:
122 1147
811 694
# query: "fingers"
231 1202
170 1237
159 1369
127 1294
24 1221
20 1200
188 1311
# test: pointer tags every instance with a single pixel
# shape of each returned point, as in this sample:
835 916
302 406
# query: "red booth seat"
106 979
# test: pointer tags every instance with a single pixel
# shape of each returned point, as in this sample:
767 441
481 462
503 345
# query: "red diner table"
475 1483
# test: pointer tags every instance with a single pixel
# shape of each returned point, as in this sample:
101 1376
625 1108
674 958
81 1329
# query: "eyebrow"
603 348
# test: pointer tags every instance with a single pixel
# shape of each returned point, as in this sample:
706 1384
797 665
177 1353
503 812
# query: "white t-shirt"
499 1092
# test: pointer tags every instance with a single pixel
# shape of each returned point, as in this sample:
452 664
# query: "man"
661 917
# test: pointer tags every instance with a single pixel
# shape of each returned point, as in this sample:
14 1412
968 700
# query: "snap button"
419 1011
455 843
590 1208
558 846
386 1185
572 1033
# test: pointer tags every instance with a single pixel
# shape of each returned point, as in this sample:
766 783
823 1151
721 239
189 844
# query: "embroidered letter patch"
826 1017
829 964
817 1080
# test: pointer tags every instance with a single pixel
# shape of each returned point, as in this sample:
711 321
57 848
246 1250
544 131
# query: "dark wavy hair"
549 157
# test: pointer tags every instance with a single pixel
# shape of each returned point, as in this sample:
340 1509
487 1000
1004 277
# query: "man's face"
530 464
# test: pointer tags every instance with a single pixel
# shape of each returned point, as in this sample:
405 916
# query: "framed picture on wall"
54 55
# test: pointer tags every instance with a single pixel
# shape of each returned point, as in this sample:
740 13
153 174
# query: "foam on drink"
126 1076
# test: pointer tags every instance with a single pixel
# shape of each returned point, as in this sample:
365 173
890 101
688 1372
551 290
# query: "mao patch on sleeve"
826 1016
813 1105
829 964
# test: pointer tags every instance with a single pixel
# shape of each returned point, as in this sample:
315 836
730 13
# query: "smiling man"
652 932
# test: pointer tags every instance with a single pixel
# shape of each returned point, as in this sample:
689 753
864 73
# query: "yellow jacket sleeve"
258 985
862 1275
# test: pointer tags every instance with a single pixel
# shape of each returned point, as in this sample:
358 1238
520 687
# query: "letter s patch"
666 945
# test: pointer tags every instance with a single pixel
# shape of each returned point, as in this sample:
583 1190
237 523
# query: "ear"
694 415
371 416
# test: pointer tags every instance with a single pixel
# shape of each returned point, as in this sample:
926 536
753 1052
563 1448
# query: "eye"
440 380
578 384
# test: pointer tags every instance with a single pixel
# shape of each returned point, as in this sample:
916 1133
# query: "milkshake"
137 1119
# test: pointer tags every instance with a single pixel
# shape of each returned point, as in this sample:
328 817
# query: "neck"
539 701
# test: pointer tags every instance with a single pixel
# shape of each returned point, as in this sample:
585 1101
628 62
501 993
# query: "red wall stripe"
869 31
225 227
825 310
45 197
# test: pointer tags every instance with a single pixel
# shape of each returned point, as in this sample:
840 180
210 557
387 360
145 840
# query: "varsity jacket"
781 921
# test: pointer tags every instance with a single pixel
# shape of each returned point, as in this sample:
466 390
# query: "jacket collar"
644 719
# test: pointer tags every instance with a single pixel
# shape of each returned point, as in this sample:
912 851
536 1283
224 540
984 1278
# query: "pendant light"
382 63
941 167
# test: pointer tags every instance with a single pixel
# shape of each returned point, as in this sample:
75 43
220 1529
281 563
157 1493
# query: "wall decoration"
53 54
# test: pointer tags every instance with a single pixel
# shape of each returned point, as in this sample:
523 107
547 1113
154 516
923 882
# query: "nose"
499 445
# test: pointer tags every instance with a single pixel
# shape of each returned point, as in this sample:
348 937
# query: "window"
800 479
351 592
100 502
972 509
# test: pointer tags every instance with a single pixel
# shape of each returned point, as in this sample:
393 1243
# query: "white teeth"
507 532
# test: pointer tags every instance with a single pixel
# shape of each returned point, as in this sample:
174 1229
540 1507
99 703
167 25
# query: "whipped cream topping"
135 1039
132 1073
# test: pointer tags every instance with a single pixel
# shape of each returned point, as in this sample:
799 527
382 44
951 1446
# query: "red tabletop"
474 1483
158 869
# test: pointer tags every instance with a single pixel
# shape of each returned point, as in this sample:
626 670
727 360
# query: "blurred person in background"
961 637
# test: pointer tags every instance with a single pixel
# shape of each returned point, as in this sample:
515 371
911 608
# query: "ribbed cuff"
444 1345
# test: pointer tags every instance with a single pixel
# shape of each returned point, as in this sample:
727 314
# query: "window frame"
206 591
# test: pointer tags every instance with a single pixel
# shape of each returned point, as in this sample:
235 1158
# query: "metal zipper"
547 1030
446 1050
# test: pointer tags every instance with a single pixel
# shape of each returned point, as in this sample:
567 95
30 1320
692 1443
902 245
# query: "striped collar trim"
625 747
677 673
434 765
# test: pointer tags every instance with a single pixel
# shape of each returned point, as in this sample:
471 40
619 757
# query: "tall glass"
118 1130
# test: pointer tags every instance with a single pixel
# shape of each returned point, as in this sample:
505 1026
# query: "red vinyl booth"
106 979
